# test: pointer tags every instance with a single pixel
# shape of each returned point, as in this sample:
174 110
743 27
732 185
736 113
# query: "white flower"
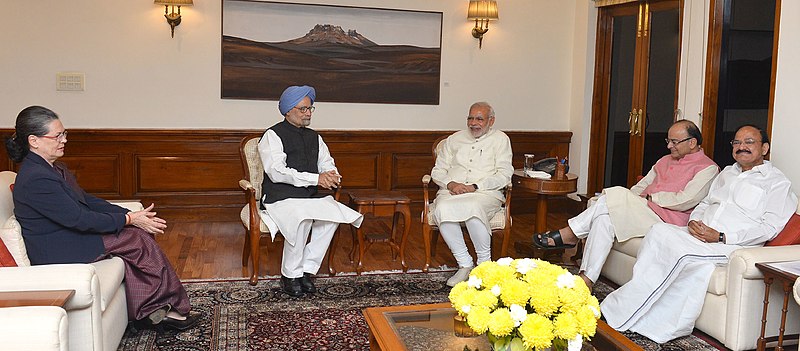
595 311
518 314
525 264
474 282
496 290
575 344
566 280
505 261
466 308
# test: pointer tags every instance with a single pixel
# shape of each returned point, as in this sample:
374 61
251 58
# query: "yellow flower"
566 326
478 319
501 323
514 292
586 322
544 300
493 274
536 332
484 298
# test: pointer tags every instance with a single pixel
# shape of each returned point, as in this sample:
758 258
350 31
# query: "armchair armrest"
77 276
131 205
743 261
245 184
34 328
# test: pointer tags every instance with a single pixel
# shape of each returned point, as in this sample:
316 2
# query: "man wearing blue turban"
296 161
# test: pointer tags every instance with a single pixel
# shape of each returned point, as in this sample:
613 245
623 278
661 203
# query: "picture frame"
347 53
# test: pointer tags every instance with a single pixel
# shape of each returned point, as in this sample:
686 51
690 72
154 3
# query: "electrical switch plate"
70 81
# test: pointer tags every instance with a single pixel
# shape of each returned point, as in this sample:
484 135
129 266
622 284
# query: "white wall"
785 120
139 77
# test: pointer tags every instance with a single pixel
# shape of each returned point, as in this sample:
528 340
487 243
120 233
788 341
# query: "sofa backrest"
6 201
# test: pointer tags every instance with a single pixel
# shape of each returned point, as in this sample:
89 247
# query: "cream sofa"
97 314
734 299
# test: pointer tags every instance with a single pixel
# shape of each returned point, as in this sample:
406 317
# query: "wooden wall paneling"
194 174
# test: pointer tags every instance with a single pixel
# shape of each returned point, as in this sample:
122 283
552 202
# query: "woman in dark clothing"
61 223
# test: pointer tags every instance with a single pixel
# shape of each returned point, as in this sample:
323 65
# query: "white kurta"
673 269
287 215
485 162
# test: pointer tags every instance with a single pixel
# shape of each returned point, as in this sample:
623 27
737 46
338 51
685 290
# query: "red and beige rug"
243 317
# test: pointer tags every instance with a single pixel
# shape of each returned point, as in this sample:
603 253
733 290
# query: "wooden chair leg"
246 248
506 241
255 237
426 237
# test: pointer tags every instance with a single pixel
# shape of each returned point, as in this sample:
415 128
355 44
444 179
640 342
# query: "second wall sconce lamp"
173 18
481 11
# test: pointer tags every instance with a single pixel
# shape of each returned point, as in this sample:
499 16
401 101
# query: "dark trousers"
150 280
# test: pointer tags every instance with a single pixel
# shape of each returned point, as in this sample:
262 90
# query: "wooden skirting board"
194 174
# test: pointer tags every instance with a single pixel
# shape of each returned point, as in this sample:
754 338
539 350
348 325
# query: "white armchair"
97 314
734 300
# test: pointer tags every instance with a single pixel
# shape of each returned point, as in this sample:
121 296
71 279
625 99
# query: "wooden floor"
205 250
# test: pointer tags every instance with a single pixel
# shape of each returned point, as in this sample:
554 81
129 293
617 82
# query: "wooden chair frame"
427 229
253 233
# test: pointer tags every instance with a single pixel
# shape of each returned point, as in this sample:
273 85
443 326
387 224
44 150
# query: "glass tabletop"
434 329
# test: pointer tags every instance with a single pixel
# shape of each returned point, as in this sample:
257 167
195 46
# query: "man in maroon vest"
667 194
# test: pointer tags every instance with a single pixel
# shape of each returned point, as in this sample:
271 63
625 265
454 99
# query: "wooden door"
635 89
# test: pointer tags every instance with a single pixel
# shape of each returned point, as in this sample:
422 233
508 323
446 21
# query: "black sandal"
540 240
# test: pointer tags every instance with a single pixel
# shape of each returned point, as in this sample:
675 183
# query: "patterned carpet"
242 317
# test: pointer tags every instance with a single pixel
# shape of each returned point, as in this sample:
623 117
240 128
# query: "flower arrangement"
527 304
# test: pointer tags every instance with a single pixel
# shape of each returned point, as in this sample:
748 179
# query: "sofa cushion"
629 247
790 235
6 260
11 234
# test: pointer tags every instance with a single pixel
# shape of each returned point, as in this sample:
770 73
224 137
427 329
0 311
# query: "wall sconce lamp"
481 11
173 18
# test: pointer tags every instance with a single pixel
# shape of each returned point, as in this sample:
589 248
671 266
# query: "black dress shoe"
292 286
307 284
176 324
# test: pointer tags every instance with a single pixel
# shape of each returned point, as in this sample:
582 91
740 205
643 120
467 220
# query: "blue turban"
293 95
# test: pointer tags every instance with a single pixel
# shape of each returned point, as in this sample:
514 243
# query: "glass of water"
529 160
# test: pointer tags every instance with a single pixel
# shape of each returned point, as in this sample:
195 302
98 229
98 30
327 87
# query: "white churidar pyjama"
481 239
595 225
300 258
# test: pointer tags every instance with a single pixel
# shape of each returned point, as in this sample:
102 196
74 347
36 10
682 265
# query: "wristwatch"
722 237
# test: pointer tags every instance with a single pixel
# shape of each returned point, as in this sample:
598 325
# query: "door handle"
638 123
631 123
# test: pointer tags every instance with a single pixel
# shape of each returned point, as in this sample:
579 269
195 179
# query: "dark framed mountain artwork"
349 54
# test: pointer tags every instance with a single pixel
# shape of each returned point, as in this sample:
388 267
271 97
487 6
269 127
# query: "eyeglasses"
60 137
676 141
305 109
748 142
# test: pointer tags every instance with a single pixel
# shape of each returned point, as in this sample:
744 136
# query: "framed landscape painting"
349 54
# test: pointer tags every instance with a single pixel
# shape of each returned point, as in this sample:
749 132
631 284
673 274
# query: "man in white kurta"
296 161
472 167
748 204
667 194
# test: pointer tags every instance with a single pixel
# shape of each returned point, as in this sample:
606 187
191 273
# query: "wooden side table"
35 298
776 271
544 188
381 203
